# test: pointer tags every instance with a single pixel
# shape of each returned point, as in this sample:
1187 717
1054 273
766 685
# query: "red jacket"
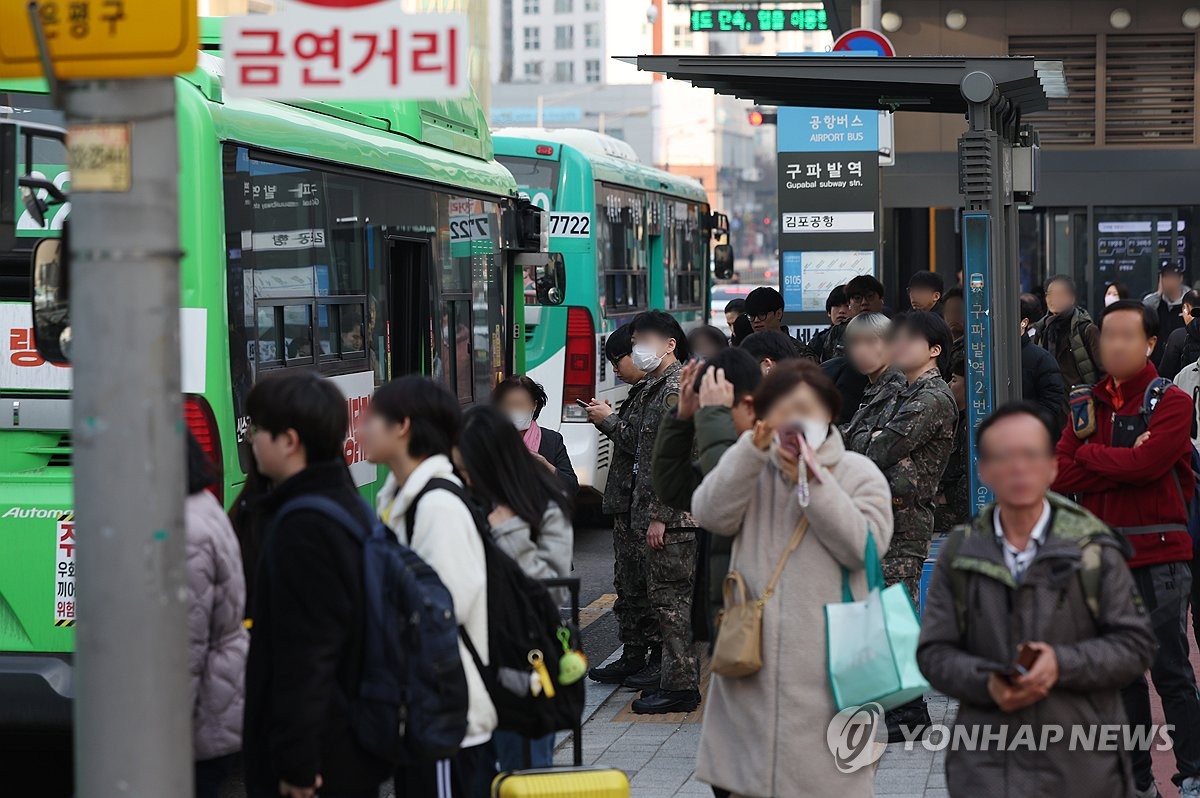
1134 490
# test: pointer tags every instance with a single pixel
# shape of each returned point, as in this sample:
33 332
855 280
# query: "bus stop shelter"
997 165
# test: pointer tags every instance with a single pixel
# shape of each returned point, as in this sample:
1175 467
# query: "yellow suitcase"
562 783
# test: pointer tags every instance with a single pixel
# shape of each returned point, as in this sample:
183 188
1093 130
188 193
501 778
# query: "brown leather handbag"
738 650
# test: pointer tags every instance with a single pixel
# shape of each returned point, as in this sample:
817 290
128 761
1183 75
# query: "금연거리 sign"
374 52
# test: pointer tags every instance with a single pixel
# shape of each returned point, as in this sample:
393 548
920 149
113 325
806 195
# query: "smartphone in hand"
582 404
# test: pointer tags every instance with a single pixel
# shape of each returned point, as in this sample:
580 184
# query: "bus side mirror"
52 300
722 261
544 278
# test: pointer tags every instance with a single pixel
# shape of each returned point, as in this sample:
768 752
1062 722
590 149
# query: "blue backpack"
412 695
1154 392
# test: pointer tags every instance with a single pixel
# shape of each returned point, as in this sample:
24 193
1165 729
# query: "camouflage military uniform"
672 569
955 487
875 399
636 623
911 442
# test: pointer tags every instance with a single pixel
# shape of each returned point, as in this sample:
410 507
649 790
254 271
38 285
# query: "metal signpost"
132 692
828 171
986 180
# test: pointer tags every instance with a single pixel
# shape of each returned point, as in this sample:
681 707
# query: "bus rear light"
544 149
579 379
198 417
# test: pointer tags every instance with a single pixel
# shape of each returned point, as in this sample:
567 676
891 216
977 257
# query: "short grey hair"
868 325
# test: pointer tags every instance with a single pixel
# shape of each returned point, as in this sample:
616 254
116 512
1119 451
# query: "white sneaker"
1152 791
1190 788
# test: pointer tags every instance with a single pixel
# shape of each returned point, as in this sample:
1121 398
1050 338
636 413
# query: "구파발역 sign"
100 38
349 54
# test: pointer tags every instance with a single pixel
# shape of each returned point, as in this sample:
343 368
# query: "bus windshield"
536 177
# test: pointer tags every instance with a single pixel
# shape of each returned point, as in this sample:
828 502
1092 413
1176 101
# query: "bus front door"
412 304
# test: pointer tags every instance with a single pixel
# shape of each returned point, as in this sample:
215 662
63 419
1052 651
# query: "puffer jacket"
1099 651
218 640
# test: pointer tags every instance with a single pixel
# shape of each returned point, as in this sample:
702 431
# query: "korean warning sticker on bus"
571 225
21 367
64 571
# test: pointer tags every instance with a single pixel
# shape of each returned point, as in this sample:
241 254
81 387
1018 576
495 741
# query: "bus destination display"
765 20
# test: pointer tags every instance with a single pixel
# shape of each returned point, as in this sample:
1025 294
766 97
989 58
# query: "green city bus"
632 238
365 240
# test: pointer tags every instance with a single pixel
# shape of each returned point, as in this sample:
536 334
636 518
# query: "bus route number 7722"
571 225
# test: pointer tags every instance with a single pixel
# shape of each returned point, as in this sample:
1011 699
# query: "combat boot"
632 660
660 702
648 677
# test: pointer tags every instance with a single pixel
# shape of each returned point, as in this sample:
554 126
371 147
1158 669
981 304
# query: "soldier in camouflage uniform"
911 440
954 494
869 352
669 534
637 628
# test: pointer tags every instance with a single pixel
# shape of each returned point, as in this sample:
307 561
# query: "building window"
563 6
533 38
564 37
682 37
591 5
591 34
564 72
591 70
533 71
532 7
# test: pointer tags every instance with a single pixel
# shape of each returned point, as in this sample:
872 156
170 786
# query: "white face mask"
521 421
646 358
815 432
1109 299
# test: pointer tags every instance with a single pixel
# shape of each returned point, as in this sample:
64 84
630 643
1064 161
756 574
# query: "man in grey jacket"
1032 621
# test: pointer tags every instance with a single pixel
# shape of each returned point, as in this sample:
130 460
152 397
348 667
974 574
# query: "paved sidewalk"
659 752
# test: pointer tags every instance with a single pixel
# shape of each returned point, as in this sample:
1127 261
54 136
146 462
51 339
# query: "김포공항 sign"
376 52
100 38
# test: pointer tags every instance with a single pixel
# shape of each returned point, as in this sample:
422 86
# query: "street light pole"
871 13
132 696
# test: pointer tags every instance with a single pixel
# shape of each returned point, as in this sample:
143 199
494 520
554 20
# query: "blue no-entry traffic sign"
864 41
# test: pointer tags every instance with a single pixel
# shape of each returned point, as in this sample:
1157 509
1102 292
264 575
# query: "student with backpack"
528 518
411 427
308 629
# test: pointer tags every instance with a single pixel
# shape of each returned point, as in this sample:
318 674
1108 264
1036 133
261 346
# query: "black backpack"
522 620
412 695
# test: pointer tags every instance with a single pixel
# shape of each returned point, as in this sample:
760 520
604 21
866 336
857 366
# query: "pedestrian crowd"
785 472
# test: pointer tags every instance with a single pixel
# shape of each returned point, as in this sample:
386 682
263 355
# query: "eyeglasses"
759 316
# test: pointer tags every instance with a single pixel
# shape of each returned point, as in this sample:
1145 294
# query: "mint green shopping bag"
872 644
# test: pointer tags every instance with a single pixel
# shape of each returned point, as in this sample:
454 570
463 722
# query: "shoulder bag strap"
793 544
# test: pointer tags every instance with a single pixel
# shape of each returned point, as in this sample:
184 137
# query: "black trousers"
1166 590
468 774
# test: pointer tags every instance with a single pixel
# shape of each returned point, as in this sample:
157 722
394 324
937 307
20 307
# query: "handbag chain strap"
793 544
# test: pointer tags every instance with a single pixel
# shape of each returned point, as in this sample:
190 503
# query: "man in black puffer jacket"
1183 344
1041 378
309 613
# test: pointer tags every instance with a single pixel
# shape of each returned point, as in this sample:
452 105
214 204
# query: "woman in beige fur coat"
765 735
